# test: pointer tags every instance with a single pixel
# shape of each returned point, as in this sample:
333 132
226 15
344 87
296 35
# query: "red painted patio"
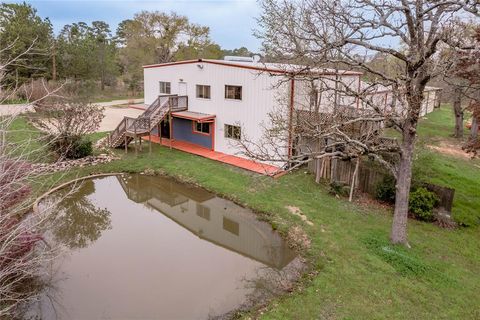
218 156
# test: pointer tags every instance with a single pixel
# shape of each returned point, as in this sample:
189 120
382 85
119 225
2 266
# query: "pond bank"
349 277
253 243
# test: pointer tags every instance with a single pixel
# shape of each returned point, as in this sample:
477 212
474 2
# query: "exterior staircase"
130 128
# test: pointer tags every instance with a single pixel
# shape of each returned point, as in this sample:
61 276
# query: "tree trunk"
474 128
457 109
404 171
404 181
54 64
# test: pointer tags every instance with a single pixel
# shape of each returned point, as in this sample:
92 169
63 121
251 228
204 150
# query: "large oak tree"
323 33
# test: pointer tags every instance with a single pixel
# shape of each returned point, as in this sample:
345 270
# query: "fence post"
354 178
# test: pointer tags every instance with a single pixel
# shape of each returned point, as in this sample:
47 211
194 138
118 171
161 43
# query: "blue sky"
231 22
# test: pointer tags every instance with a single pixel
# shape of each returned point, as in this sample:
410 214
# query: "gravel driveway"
115 114
114 111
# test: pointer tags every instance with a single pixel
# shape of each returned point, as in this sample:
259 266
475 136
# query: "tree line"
93 52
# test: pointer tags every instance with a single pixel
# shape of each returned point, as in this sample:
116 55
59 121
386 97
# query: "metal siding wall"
259 97
182 130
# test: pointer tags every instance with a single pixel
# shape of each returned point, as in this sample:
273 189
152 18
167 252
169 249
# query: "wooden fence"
369 176
342 171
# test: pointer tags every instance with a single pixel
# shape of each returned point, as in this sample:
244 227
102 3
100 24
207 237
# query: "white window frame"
195 129
234 86
229 131
165 87
202 88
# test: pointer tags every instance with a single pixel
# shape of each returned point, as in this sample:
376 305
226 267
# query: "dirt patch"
297 212
451 150
367 201
298 239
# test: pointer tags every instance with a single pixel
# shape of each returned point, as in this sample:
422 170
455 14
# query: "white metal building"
227 100
232 99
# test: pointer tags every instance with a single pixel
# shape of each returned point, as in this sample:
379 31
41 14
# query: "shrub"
72 147
81 149
385 190
339 189
421 204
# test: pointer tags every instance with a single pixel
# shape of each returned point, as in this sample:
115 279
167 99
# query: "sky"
231 22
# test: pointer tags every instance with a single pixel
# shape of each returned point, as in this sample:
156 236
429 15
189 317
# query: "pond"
147 247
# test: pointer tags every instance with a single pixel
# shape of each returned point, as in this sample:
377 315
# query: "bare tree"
462 76
23 250
467 69
67 121
324 33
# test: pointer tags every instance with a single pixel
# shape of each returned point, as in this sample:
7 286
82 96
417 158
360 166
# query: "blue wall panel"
182 130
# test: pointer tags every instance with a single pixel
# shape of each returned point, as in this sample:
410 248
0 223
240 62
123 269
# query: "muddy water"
140 247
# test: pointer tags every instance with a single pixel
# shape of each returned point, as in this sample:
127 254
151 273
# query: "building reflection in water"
144 247
211 218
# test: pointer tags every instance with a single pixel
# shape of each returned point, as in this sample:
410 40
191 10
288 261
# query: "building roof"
191 115
280 68
377 88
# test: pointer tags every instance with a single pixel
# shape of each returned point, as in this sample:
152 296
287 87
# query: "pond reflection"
78 221
152 248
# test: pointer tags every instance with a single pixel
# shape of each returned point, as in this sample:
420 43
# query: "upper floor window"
165 87
203 91
233 92
203 211
201 127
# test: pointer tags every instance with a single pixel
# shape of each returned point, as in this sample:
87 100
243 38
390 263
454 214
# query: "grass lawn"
27 140
355 273
458 173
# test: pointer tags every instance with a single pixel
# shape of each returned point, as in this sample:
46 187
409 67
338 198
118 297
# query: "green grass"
437 125
355 273
26 141
458 173
14 101
358 275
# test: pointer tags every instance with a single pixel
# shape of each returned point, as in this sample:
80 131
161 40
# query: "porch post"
170 128
126 146
150 142
159 128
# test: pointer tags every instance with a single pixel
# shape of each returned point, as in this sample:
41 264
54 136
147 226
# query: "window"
165 87
201 127
203 91
231 226
233 92
232 132
203 212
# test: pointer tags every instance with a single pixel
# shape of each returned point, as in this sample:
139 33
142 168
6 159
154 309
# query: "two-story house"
215 105
227 100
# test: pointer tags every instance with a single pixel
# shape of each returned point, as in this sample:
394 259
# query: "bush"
385 190
72 147
81 149
421 204
339 189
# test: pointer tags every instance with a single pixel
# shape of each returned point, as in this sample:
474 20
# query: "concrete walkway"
118 102
115 110
14 109
115 114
